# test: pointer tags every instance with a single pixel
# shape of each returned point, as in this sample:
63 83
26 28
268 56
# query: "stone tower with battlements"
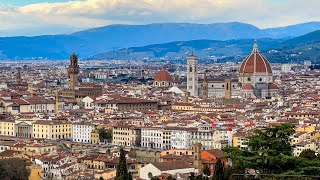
73 71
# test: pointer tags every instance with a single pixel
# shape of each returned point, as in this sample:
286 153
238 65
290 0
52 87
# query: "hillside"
293 30
95 41
306 47
180 49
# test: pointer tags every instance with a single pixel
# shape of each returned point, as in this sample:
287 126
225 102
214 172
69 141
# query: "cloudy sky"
33 17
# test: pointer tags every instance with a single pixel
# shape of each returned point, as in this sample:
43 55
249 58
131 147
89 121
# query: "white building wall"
180 139
152 138
82 133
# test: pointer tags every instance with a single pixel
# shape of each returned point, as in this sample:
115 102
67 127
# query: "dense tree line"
270 153
14 169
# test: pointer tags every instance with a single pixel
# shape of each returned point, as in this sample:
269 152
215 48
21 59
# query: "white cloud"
93 13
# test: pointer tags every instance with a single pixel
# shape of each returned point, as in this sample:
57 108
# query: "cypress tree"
122 171
218 171
206 170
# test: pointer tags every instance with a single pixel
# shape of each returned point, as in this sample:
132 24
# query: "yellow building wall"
95 138
235 141
7 128
315 136
176 152
34 174
307 129
52 131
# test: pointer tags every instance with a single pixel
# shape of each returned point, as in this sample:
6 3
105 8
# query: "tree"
219 171
105 134
14 169
171 178
206 170
270 152
308 154
122 170
130 176
192 176
201 177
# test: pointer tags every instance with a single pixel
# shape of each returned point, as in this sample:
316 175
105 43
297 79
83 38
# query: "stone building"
76 92
255 79
162 79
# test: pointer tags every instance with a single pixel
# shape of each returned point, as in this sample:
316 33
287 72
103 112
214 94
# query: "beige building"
95 139
127 104
126 135
7 127
301 146
45 129
24 105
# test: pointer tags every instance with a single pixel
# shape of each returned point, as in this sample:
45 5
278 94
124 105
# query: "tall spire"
255 47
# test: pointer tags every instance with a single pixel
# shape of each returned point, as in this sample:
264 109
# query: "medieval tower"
73 71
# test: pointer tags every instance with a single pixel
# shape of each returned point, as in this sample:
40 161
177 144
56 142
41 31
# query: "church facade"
255 79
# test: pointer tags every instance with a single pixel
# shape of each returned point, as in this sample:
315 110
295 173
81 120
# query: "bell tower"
205 86
192 75
197 161
73 70
227 91
19 76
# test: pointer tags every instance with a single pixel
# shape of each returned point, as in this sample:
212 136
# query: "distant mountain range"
90 42
306 47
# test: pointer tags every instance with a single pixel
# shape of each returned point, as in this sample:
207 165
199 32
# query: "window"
260 79
249 79
190 69
150 175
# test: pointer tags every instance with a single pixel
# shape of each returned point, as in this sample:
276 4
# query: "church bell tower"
73 71
192 75
205 86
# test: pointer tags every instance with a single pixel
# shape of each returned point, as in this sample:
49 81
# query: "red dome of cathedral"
247 87
162 76
272 86
255 63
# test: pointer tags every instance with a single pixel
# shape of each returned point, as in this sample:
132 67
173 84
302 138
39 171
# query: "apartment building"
7 127
127 104
81 132
25 105
54 130
152 137
126 135
181 138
